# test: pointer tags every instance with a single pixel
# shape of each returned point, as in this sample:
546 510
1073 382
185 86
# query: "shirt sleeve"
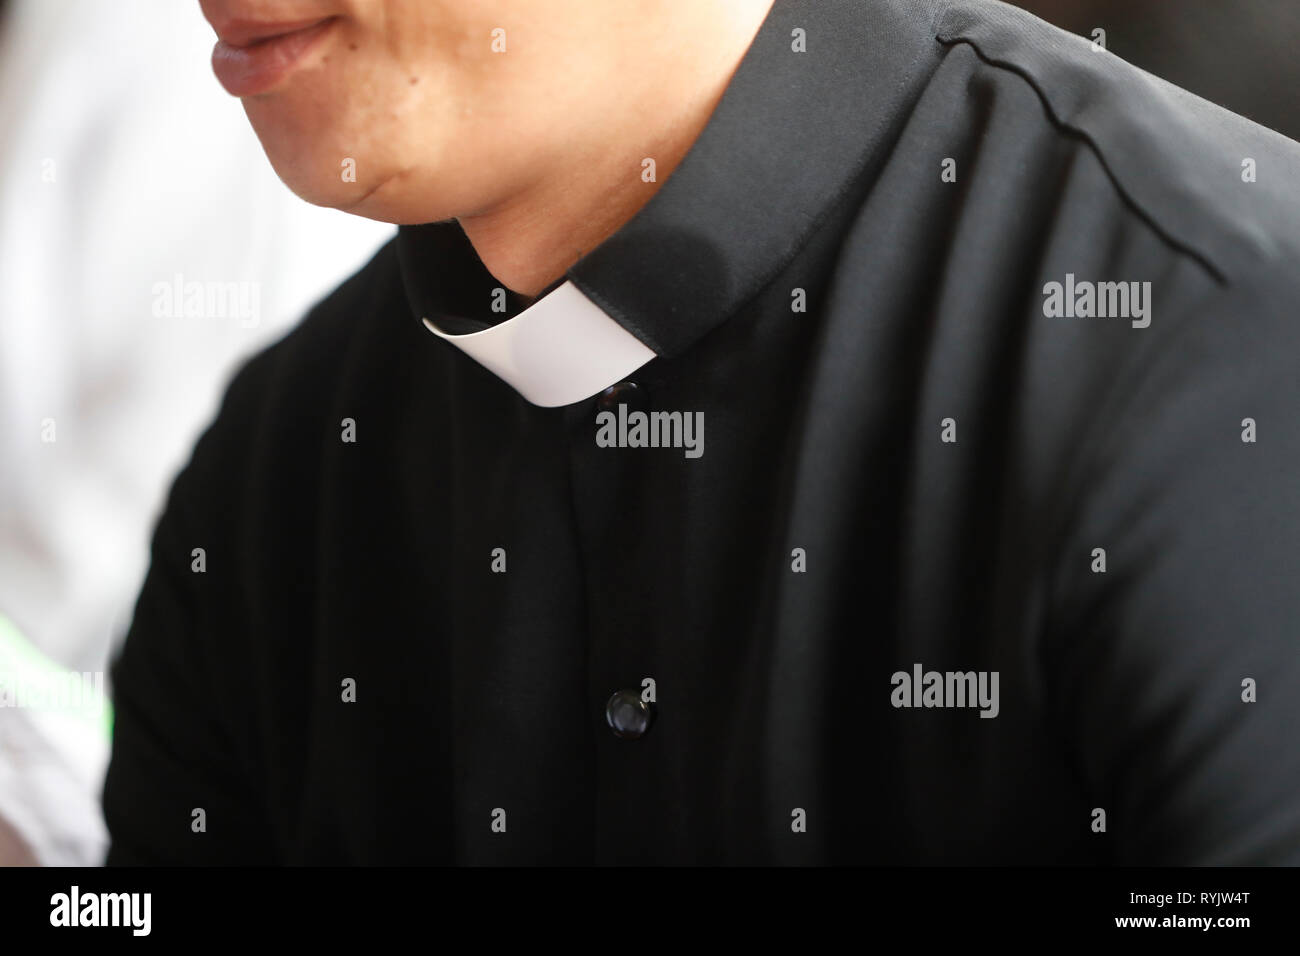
1175 668
179 790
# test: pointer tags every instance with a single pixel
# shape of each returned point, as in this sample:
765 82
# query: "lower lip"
249 70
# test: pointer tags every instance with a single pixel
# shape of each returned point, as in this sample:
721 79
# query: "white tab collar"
561 349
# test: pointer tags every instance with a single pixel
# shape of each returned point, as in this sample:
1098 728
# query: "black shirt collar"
791 133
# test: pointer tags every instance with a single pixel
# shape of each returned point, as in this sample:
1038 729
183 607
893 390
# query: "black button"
628 715
630 394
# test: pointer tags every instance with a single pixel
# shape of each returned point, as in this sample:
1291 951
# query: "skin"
537 151
13 851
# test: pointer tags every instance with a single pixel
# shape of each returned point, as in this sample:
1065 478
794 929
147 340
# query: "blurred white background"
123 165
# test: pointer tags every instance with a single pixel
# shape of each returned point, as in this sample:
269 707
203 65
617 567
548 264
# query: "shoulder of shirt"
1183 163
284 399
371 300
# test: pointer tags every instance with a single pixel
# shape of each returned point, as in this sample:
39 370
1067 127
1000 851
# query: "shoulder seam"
1181 246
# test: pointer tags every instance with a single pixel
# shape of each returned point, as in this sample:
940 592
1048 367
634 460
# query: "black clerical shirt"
988 345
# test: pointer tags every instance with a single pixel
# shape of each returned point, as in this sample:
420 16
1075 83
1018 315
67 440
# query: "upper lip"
244 33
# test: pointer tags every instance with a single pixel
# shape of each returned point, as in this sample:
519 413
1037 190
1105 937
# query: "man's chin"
325 176
384 197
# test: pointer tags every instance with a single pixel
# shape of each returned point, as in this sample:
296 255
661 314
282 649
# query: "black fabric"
1239 55
476 691
445 280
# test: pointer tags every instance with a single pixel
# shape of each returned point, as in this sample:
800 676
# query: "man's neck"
531 238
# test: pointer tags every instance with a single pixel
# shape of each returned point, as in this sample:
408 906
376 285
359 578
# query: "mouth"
251 58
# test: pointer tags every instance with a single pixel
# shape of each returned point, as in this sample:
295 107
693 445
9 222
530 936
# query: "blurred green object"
21 664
